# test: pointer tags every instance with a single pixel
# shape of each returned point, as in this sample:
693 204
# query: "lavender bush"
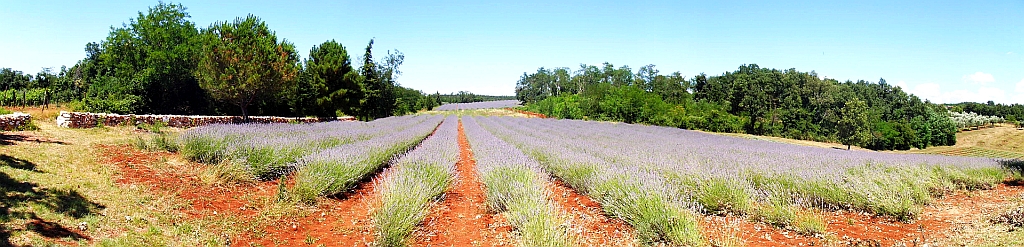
731 174
478 105
516 186
266 150
333 170
639 197
413 182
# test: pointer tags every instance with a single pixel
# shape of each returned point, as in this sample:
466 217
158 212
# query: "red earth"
588 220
528 113
861 229
462 218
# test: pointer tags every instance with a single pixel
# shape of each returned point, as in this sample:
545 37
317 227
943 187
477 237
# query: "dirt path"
588 221
341 221
462 219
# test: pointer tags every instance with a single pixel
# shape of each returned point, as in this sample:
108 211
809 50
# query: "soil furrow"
462 218
588 221
342 220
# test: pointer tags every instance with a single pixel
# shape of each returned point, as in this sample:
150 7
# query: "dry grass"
988 232
998 142
55 176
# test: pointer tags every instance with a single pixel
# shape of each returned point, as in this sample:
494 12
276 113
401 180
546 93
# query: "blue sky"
945 51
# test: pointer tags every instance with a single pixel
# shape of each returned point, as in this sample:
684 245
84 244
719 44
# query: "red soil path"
462 219
587 219
859 229
342 221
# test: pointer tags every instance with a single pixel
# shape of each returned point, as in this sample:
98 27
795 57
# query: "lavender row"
515 185
639 197
696 165
478 105
337 169
265 150
413 182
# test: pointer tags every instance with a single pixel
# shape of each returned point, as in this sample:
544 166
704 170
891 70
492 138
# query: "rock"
14 120
89 120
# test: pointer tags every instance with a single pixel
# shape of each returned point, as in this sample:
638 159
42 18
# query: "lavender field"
658 180
669 169
478 105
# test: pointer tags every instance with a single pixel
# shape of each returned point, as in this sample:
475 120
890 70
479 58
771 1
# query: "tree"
243 61
328 83
378 85
853 123
156 51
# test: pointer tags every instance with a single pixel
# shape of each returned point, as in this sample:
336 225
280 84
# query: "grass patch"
405 200
721 196
65 184
520 194
157 142
809 222
897 192
335 170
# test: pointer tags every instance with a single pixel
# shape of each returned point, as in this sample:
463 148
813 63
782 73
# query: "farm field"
487 178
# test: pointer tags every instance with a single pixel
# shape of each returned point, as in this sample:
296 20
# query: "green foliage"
151 58
157 142
1011 112
406 200
721 196
753 100
203 149
410 100
157 61
328 83
467 97
853 123
808 223
243 61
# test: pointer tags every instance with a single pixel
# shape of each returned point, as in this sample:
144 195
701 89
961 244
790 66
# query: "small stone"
83 226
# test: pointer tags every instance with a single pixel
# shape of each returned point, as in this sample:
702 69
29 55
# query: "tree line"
1013 113
468 97
754 100
161 63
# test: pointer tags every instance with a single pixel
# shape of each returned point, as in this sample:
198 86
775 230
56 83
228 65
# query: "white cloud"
934 93
979 77
1020 86
1009 53
902 84
929 91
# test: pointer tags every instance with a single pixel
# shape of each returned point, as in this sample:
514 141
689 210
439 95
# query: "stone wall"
13 121
89 120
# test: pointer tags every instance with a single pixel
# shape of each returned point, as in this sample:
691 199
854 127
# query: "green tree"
243 61
156 51
328 83
378 83
853 123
